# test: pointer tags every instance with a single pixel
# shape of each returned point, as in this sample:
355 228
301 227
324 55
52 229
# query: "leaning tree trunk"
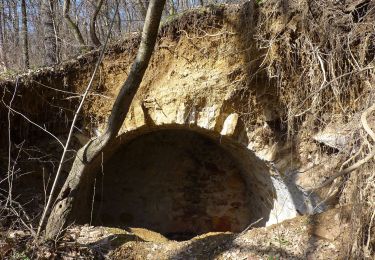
25 39
93 36
72 199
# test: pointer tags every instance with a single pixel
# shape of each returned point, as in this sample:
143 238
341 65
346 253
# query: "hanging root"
321 56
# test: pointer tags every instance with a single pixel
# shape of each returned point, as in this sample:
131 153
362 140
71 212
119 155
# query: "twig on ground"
249 226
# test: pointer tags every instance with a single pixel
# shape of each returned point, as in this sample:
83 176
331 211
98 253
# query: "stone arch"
183 181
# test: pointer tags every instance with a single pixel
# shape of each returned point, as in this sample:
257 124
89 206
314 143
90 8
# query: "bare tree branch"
77 33
76 114
93 36
359 163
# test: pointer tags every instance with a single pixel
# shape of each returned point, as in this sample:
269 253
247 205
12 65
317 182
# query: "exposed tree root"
360 162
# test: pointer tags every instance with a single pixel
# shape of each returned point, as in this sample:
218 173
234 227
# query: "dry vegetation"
319 55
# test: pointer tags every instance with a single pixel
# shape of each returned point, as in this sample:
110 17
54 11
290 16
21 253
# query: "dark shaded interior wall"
176 182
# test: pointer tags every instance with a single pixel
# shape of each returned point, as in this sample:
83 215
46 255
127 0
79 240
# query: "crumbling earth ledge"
206 81
160 102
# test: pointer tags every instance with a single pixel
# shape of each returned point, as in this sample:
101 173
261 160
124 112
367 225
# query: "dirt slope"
205 73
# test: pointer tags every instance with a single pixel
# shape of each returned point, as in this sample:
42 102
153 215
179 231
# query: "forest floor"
304 237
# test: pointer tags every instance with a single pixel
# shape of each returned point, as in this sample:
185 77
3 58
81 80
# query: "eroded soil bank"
208 149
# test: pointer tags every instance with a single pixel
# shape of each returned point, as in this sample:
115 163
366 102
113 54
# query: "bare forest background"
36 33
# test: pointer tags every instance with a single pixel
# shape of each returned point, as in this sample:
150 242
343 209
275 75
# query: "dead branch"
35 124
10 143
18 215
360 162
365 123
76 114
72 197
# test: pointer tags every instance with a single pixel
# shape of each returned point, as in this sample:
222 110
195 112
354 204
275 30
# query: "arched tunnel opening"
182 183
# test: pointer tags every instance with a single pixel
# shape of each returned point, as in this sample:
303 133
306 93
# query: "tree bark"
73 199
128 16
25 39
49 33
16 24
77 33
172 9
118 19
93 36
3 56
142 8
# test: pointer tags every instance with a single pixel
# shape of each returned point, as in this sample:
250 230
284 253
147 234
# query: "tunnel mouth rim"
222 141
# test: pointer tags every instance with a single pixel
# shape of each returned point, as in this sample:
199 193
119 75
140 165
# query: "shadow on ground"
211 247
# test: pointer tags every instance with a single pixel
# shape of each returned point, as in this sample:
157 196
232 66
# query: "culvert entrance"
181 184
